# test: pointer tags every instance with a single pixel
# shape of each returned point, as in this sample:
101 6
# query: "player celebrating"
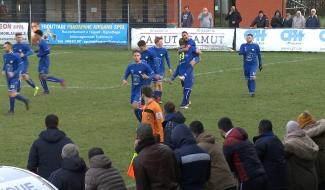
148 55
12 66
44 63
249 51
190 43
24 51
184 71
161 54
140 75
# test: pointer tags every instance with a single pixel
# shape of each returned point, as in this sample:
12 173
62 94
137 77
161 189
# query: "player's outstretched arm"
242 50
260 65
126 75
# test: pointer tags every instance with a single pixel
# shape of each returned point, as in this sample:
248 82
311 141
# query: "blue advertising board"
86 33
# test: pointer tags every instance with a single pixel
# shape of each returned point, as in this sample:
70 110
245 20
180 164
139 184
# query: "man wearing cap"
315 130
71 175
312 21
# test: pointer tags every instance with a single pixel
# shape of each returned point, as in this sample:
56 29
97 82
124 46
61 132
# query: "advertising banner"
8 31
304 40
205 39
85 33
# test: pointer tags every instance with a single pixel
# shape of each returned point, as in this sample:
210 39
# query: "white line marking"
198 74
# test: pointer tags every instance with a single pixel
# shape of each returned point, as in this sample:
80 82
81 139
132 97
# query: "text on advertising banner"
205 39
304 40
8 31
86 33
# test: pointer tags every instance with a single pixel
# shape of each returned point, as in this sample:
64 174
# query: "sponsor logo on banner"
205 39
8 31
322 36
259 35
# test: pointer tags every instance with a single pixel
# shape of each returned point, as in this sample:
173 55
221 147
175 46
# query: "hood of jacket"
315 129
238 134
52 135
206 138
182 136
75 164
177 117
100 161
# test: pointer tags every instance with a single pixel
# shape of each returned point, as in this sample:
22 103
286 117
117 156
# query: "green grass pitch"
94 109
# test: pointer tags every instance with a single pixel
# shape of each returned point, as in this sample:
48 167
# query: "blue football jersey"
136 71
12 63
149 57
161 55
22 48
250 52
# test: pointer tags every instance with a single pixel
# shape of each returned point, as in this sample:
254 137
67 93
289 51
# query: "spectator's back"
193 160
45 153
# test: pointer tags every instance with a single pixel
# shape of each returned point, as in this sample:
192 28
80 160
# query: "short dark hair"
265 126
136 51
18 34
51 121
147 91
184 32
197 127
259 12
39 32
169 107
8 43
95 151
250 34
225 124
141 43
182 42
158 38
186 6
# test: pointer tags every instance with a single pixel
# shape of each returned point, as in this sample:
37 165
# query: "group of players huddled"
15 68
148 69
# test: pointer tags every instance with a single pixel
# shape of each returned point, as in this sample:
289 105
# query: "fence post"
79 11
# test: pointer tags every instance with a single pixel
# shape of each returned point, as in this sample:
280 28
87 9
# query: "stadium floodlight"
16 178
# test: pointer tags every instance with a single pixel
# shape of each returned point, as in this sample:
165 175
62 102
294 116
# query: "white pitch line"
198 74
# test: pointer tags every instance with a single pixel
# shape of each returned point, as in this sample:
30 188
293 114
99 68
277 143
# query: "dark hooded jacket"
241 156
193 160
260 22
102 175
270 150
172 120
277 21
45 153
71 175
155 167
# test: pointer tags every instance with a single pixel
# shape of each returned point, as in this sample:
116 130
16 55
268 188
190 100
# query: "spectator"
261 21
242 157
298 21
155 167
277 20
287 21
172 119
220 174
234 17
101 174
313 20
315 130
152 113
193 160
301 153
270 150
71 175
45 153
206 19
187 17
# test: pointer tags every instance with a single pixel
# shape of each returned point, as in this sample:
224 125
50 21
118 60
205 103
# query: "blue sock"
249 86
138 114
19 86
12 104
44 85
253 86
31 83
186 96
54 79
21 98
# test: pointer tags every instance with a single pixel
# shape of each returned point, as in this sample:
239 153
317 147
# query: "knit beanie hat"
144 131
293 130
69 150
305 119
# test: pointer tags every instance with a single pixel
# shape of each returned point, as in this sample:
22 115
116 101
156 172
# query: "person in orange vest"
152 113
